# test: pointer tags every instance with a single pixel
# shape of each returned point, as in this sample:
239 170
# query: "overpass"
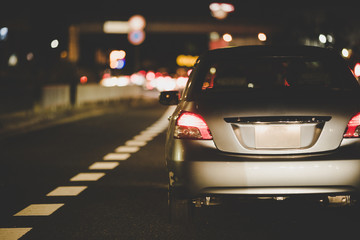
163 27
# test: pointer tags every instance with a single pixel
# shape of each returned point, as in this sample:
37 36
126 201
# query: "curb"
27 121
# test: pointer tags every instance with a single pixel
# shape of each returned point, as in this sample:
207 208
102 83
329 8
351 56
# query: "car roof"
268 51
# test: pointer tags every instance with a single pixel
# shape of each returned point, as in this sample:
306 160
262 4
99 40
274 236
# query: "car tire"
180 209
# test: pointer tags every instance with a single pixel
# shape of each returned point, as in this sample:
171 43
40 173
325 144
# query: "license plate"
278 136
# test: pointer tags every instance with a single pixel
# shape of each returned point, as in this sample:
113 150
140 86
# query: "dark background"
33 25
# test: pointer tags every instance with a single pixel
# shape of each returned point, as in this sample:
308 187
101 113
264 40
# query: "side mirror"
169 97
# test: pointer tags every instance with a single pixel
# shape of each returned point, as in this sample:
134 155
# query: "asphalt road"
124 194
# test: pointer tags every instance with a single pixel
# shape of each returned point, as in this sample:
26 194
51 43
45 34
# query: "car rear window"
276 72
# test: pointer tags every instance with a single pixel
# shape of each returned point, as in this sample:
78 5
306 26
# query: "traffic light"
117 59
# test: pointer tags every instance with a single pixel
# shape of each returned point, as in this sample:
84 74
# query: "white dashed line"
143 138
127 149
136 143
148 133
104 165
151 132
87 177
40 209
66 191
155 129
116 156
158 125
13 233
121 153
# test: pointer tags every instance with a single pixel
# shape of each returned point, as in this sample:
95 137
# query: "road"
44 194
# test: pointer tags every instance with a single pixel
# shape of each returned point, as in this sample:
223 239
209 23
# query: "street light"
3 33
13 60
346 53
54 43
322 38
227 37
262 37
221 10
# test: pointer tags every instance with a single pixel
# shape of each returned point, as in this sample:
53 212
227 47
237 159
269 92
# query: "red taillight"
353 127
357 70
192 126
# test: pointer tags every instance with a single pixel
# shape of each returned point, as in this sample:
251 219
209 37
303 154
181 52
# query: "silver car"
264 122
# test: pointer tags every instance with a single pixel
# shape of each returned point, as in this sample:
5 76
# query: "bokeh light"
227 37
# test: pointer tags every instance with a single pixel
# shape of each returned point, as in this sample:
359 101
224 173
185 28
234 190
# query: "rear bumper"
272 178
198 168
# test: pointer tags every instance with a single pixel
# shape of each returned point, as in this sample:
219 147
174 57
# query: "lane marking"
13 233
136 143
143 138
148 133
151 131
66 191
104 165
157 127
127 149
122 153
116 156
87 177
40 209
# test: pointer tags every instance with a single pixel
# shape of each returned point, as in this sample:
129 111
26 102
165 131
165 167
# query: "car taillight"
353 127
192 126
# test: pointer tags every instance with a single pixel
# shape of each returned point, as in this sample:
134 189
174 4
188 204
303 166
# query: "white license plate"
277 136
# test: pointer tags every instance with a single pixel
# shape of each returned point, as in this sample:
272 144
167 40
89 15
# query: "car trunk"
277 121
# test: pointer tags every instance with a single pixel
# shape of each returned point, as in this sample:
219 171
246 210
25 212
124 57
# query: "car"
264 122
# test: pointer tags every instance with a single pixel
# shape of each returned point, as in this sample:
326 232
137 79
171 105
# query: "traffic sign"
136 37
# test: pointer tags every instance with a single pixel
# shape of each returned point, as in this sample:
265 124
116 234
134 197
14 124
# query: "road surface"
105 177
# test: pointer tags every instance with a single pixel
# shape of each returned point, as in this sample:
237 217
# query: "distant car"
266 122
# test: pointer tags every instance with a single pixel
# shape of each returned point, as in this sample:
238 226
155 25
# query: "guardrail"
59 95
55 103
91 93
55 96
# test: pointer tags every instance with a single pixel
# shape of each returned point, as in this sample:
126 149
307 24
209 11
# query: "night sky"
33 25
